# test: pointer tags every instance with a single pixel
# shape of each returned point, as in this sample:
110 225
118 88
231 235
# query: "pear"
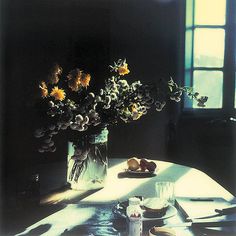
132 164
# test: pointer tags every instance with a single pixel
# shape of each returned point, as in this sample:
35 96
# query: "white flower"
113 96
73 126
86 120
145 112
51 104
123 83
85 127
98 99
92 95
159 105
125 119
143 108
107 106
78 118
149 101
92 113
97 122
39 133
80 128
41 150
51 144
94 106
136 85
177 99
113 79
108 99
116 91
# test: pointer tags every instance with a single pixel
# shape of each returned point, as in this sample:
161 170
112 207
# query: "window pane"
189 13
188 49
209 47
210 12
209 83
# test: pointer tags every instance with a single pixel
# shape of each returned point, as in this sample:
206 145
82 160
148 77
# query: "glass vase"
87 161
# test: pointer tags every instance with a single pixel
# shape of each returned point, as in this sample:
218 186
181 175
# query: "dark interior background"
91 35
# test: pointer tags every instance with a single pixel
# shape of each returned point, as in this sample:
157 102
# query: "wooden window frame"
228 69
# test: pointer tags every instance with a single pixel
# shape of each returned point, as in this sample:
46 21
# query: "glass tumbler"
166 190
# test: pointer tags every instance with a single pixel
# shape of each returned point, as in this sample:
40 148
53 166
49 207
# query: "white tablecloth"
95 209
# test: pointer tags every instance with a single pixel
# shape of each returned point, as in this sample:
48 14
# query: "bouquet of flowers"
69 104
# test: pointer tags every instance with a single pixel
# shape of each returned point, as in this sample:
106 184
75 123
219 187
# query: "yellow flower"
44 89
58 94
56 71
85 79
123 70
74 80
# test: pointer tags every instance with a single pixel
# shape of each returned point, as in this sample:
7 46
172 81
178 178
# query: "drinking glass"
166 190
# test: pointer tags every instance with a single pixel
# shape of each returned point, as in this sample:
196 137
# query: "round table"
91 212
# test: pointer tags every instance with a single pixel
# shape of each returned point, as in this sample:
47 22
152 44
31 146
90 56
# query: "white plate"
170 212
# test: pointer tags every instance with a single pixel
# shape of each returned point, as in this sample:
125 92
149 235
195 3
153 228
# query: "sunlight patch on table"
121 188
195 183
56 198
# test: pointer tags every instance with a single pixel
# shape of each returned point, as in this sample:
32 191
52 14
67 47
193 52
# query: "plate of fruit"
141 166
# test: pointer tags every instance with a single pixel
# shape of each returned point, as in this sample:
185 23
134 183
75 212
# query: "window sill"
207 113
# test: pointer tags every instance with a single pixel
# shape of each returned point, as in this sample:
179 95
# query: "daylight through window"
209 44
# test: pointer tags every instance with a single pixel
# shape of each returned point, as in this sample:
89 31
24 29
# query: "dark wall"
208 144
146 33
91 35
38 34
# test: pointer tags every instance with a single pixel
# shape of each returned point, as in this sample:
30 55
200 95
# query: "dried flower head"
43 89
74 85
85 79
53 77
74 79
